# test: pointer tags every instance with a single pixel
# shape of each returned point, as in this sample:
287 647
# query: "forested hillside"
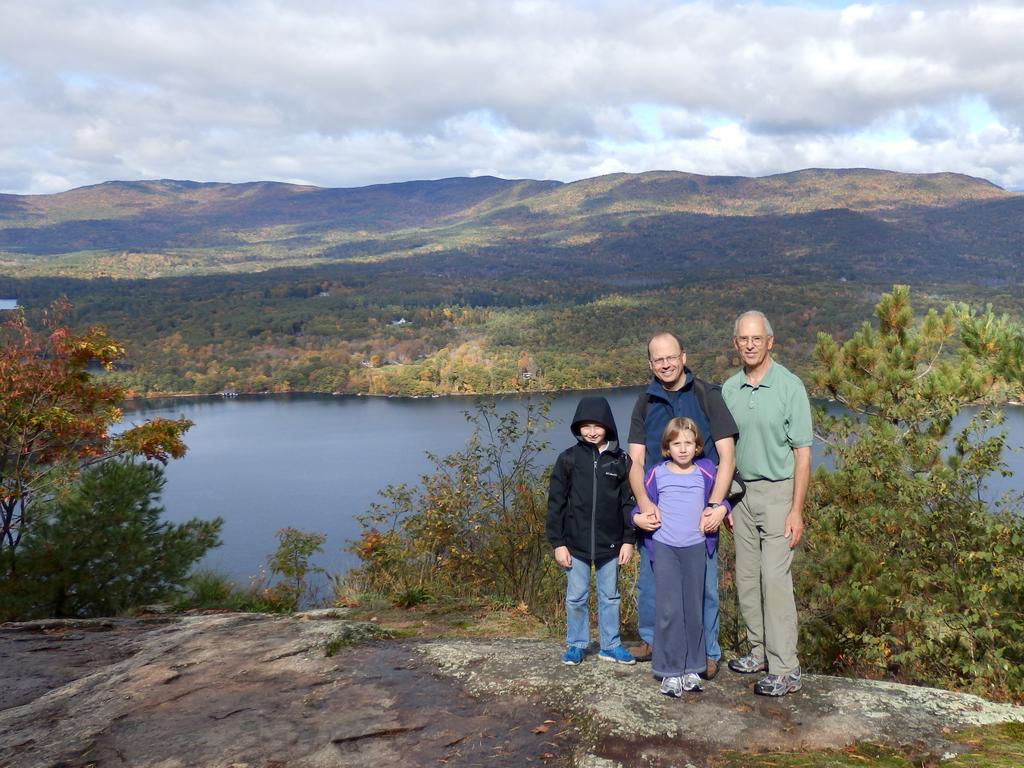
473 285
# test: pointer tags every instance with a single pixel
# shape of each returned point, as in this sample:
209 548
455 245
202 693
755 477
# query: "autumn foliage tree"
56 416
474 528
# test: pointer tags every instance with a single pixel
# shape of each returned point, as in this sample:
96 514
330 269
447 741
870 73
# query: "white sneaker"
691 683
672 686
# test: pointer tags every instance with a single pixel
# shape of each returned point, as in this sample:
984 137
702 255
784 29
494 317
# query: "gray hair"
753 313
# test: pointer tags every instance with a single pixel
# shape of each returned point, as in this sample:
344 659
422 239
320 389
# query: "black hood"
595 409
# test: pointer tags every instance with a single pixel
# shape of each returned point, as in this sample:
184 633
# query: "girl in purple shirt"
680 487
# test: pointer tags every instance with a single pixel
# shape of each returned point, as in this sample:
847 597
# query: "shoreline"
320 393
137 399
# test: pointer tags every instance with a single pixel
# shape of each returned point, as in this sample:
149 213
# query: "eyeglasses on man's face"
756 341
666 360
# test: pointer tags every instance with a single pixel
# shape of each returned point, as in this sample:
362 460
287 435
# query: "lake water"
314 462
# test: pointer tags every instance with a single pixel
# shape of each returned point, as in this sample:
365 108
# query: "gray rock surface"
631 722
247 690
253 690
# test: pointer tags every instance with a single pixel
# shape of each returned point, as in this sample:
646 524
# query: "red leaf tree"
55 417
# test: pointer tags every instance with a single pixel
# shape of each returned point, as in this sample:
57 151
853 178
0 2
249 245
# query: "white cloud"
342 94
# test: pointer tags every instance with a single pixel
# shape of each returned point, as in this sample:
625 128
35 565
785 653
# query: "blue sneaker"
572 655
617 654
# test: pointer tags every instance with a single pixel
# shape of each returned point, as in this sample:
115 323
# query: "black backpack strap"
737 490
646 405
700 389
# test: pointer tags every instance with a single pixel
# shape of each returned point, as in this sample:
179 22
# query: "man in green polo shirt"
773 457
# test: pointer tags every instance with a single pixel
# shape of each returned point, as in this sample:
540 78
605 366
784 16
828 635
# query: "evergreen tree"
913 573
102 548
998 340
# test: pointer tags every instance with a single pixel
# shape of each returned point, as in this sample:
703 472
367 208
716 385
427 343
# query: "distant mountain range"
850 223
485 284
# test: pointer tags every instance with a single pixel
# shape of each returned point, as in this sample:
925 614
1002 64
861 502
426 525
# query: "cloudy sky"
352 92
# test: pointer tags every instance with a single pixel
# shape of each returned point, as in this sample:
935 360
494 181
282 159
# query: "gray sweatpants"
678 610
764 583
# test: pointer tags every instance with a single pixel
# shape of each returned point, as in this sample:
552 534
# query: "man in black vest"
675 391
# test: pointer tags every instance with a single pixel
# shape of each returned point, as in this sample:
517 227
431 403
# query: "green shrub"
289 585
355 633
207 589
291 562
413 596
101 548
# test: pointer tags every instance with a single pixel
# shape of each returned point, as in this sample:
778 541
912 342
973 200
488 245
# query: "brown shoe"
712 669
641 651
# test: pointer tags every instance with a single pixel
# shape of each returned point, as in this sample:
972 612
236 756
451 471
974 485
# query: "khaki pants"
763 579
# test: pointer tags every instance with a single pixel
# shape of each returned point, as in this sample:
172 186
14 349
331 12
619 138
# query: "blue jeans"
711 647
577 590
645 603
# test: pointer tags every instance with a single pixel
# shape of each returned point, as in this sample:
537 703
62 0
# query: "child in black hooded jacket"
588 524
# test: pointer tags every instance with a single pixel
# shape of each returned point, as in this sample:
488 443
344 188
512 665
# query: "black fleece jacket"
589 499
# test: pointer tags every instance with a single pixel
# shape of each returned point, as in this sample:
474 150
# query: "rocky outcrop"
254 690
631 721
245 690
